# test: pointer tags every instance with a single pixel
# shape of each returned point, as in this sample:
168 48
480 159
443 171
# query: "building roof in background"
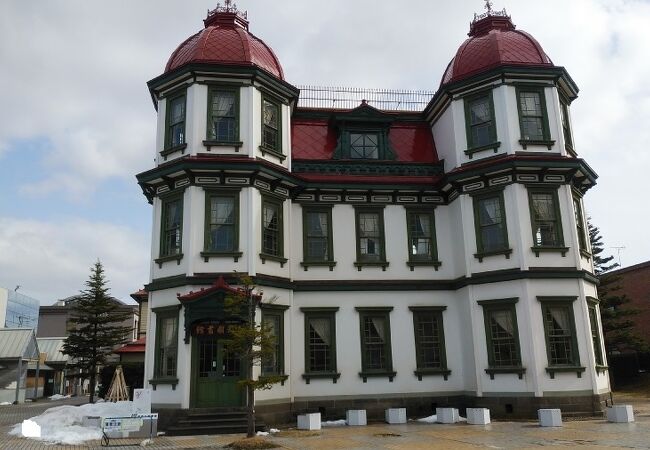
133 347
140 296
53 347
18 343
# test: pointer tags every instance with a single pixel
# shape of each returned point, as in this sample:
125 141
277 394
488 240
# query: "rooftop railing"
349 98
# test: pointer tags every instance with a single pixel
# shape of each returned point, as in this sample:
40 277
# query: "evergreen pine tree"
253 343
618 328
97 329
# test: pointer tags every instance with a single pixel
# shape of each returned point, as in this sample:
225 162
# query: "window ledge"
234 255
585 254
209 144
272 152
361 264
280 259
164 259
549 249
540 142
480 255
168 151
520 371
334 376
308 264
601 368
164 380
493 146
570 151
433 372
273 379
383 373
435 264
552 370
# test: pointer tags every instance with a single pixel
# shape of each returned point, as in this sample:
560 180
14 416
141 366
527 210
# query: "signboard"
121 424
210 329
141 401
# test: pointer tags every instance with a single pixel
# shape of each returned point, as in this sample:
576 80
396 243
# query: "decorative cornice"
366 168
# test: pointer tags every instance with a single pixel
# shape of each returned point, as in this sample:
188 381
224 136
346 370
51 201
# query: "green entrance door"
216 373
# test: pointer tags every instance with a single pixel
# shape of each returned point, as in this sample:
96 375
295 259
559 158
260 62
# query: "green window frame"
376 351
566 124
533 116
272 225
370 237
502 336
271 141
317 241
421 234
171 228
560 335
175 117
429 333
594 326
480 123
581 229
546 220
221 224
490 225
166 346
223 116
320 344
364 145
273 322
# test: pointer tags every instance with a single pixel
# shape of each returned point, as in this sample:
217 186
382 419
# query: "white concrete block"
549 417
620 414
396 415
447 415
309 421
356 417
478 416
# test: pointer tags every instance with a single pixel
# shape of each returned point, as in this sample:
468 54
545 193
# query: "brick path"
585 433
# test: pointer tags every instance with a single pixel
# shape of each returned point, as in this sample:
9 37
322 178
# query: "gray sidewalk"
595 433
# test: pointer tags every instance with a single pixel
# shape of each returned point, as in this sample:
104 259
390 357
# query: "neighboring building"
426 249
18 310
142 298
55 319
53 369
132 352
18 347
634 282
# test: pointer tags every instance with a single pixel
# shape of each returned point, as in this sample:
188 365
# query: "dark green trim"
361 262
330 262
164 253
275 150
581 229
480 251
367 167
428 260
163 259
328 313
593 311
473 147
566 128
163 380
277 312
351 285
168 312
543 247
178 148
207 252
166 309
384 314
343 150
273 307
499 305
279 257
211 141
546 134
567 303
436 311
175 95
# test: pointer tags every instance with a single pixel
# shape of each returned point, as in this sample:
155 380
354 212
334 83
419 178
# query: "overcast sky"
77 122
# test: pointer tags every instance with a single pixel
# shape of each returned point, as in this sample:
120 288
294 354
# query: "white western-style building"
422 249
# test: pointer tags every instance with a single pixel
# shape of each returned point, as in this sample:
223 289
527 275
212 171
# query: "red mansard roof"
494 42
133 347
226 40
316 139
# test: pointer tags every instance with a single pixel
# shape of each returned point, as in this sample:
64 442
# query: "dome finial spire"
488 6
227 14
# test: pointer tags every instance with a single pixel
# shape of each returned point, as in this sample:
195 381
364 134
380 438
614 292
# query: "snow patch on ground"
274 430
5 404
62 424
429 419
334 423
58 397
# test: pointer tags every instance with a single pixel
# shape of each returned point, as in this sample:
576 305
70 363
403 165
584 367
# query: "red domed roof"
226 40
493 42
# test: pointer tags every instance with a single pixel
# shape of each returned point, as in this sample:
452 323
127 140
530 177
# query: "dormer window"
175 121
481 129
364 146
223 112
533 120
270 125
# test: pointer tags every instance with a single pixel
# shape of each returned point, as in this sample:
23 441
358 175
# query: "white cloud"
52 260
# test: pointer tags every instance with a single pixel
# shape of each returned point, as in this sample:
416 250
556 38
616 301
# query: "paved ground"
585 433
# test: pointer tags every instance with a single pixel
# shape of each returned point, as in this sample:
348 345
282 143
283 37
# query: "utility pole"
618 252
